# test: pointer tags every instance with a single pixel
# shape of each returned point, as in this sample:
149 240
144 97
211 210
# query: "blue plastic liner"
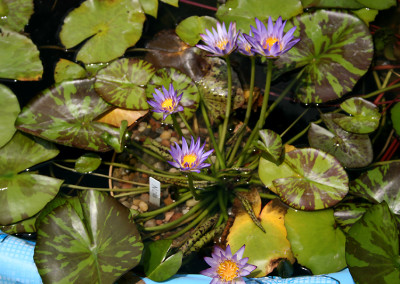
17 266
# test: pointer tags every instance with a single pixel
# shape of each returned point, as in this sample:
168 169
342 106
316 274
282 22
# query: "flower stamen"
168 105
188 160
221 44
228 270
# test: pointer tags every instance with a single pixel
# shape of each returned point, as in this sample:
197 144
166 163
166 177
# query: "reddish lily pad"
15 14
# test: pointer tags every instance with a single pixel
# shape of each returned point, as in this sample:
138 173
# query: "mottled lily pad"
352 150
109 26
104 239
189 29
65 114
372 247
24 226
15 14
19 57
349 212
364 117
316 242
395 116
271 145
319 182
9 111
123 82
382 183
335 50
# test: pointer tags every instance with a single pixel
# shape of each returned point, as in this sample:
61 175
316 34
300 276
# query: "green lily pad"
343 4
150 7
123 82
335 49
87 163
395 116
15 14
158 266
372 247
104 244
68 70
25 194
364 117
171 2
379 5
320 181
24 226
352 150
271 145
382 183
65 114
10 109
109 26
182 84
243 12
349 212
189 29
315 240
19 57
366 14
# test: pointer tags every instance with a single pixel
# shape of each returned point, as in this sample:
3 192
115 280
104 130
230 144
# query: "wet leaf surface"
10 109
16 14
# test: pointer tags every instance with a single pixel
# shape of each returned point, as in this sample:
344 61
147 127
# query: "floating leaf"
182 84
105 243
16 14
364 117
372 247
382 183
243 12
349 212
111 26
271 145
117 115
150 7
23 195
366 14
65 114
395 116
335 50
117 142
316 242
379 5
24 226
320 181
343 4
87 163
68 70
123 82
352 150
171 2
9 111
189 29
265 250
19 57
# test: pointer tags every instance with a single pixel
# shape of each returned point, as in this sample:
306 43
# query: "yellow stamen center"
269 42
228 270
168 104
248 48
189 158
221 44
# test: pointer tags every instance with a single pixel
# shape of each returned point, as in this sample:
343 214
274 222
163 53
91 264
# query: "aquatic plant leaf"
335 50
157 266
315 240
379 5
352 150
87 163
395 116
243 12
320 181
109 26
117 142
19 57
171 2
68 70
15 14
379 184
343 4
349 212
24 226
189 29
265 250
117 115
10 109
214 89
372 247
271 145
366 14
65 114
364 117
182 84
150 7
104 244
122 83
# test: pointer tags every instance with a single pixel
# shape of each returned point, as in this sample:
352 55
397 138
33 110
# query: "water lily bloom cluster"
244 47
226 268
167 101
189 159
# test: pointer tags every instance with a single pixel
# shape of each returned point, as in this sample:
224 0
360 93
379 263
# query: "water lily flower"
226 268
189 159
220 42
271 42
167 101
244 47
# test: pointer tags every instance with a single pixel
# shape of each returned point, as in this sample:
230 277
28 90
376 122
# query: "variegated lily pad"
380 184
15 14
349 212
335 49
320 181
111 26
271 145
182 84
24 226
65 114
9 111
123 82
372 247
364 117
352 150
97 231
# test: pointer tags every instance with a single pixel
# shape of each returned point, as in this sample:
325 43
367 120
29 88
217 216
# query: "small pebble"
142 128
144 197
165 143
143 206
134 207
165 135
176 216
150 223
186 210
174 139
185 131
136 202
126 204
158 139
159 222
191 202
168 215
182 124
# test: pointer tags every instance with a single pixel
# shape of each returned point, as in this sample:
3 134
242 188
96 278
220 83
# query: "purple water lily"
226 268
271 43
244 47
189 159
167 101
220 42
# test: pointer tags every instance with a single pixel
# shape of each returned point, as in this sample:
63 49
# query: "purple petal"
240 252
210 272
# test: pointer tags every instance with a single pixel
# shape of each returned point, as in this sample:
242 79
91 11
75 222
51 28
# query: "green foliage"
15 14
271 145
10 110
395 116
189 29
87 163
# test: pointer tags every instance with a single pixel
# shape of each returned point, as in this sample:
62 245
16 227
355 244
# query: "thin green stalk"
268 195
222 203
187 124
294 122
147 151
176 125
103 188
377 92
191 187
131 193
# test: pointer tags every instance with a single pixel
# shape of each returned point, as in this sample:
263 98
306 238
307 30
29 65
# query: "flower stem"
187 125
191 187
176 125
222 203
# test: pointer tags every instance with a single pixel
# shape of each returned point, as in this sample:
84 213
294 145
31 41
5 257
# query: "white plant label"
155 191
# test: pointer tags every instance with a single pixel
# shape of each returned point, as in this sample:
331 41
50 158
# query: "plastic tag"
155 191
